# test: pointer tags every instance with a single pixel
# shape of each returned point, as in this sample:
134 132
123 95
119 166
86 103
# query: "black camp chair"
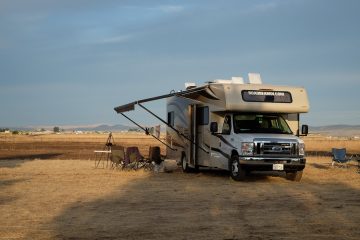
339 157
133 158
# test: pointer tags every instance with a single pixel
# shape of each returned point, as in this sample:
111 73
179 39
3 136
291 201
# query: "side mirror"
213 127
304 130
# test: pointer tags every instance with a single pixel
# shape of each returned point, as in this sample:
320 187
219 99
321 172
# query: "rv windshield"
260 123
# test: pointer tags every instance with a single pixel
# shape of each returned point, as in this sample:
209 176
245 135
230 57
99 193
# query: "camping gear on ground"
104 154
130 158
167 165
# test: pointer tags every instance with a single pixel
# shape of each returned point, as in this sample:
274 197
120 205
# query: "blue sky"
70 62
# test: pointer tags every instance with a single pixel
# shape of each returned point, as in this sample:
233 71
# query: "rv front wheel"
236 171
184 165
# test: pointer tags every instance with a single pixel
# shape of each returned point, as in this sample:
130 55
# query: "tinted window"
266 96
260 123
202 115
170 119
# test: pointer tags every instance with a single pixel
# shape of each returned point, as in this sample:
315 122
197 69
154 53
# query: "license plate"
278 167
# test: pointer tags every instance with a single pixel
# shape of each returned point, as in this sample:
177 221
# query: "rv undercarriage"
273 165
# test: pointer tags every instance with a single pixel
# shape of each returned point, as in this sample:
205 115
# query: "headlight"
301 149
247 148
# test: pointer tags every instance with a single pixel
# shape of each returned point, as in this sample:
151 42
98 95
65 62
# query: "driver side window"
226 129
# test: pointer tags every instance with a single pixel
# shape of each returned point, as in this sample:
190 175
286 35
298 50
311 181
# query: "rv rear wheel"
184 165
236 171
294 176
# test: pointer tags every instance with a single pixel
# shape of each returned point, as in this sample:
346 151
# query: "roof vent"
238 80
254 78
189 85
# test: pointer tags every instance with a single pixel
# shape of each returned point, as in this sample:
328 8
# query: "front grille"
275 148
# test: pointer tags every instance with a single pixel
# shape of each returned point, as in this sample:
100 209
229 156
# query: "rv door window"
171 118
227 125
202 115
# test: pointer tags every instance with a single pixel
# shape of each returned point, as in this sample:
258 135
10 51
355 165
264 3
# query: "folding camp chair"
133 158
155 161
117 157
339 156
155 154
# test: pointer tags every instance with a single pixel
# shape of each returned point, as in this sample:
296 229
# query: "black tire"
237 172
294 176
184 165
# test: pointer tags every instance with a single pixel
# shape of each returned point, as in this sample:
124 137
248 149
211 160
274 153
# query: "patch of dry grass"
57 199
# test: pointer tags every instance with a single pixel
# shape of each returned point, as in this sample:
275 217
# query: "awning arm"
147 132
177 131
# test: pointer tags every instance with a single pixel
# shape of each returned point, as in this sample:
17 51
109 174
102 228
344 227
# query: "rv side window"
170 119
202 115
266 96
227 125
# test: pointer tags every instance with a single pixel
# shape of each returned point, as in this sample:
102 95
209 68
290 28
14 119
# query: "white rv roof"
234 95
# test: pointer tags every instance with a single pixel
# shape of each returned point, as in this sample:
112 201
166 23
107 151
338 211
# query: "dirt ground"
46 194
70 199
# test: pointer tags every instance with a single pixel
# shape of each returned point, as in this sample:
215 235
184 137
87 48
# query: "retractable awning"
193 93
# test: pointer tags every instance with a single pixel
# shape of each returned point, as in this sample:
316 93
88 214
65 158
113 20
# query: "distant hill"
90 128
330 130
336 130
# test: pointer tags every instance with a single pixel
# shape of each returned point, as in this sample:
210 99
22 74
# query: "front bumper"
261 164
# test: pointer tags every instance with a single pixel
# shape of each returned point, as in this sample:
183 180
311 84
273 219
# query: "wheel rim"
184 164
235 168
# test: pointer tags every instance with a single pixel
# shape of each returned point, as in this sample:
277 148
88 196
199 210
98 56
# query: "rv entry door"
193 135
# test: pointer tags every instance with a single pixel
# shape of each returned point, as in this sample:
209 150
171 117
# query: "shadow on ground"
4 183
207 205
21 159
320 166
32 156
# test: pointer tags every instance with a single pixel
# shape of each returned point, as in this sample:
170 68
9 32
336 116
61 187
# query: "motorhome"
235 126
239 127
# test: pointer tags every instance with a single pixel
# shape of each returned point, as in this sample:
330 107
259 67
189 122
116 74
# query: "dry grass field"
45 194
67 146
322 145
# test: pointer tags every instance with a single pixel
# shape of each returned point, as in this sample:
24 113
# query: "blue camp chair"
339 156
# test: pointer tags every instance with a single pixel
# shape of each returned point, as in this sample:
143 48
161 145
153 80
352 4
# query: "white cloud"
170 8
